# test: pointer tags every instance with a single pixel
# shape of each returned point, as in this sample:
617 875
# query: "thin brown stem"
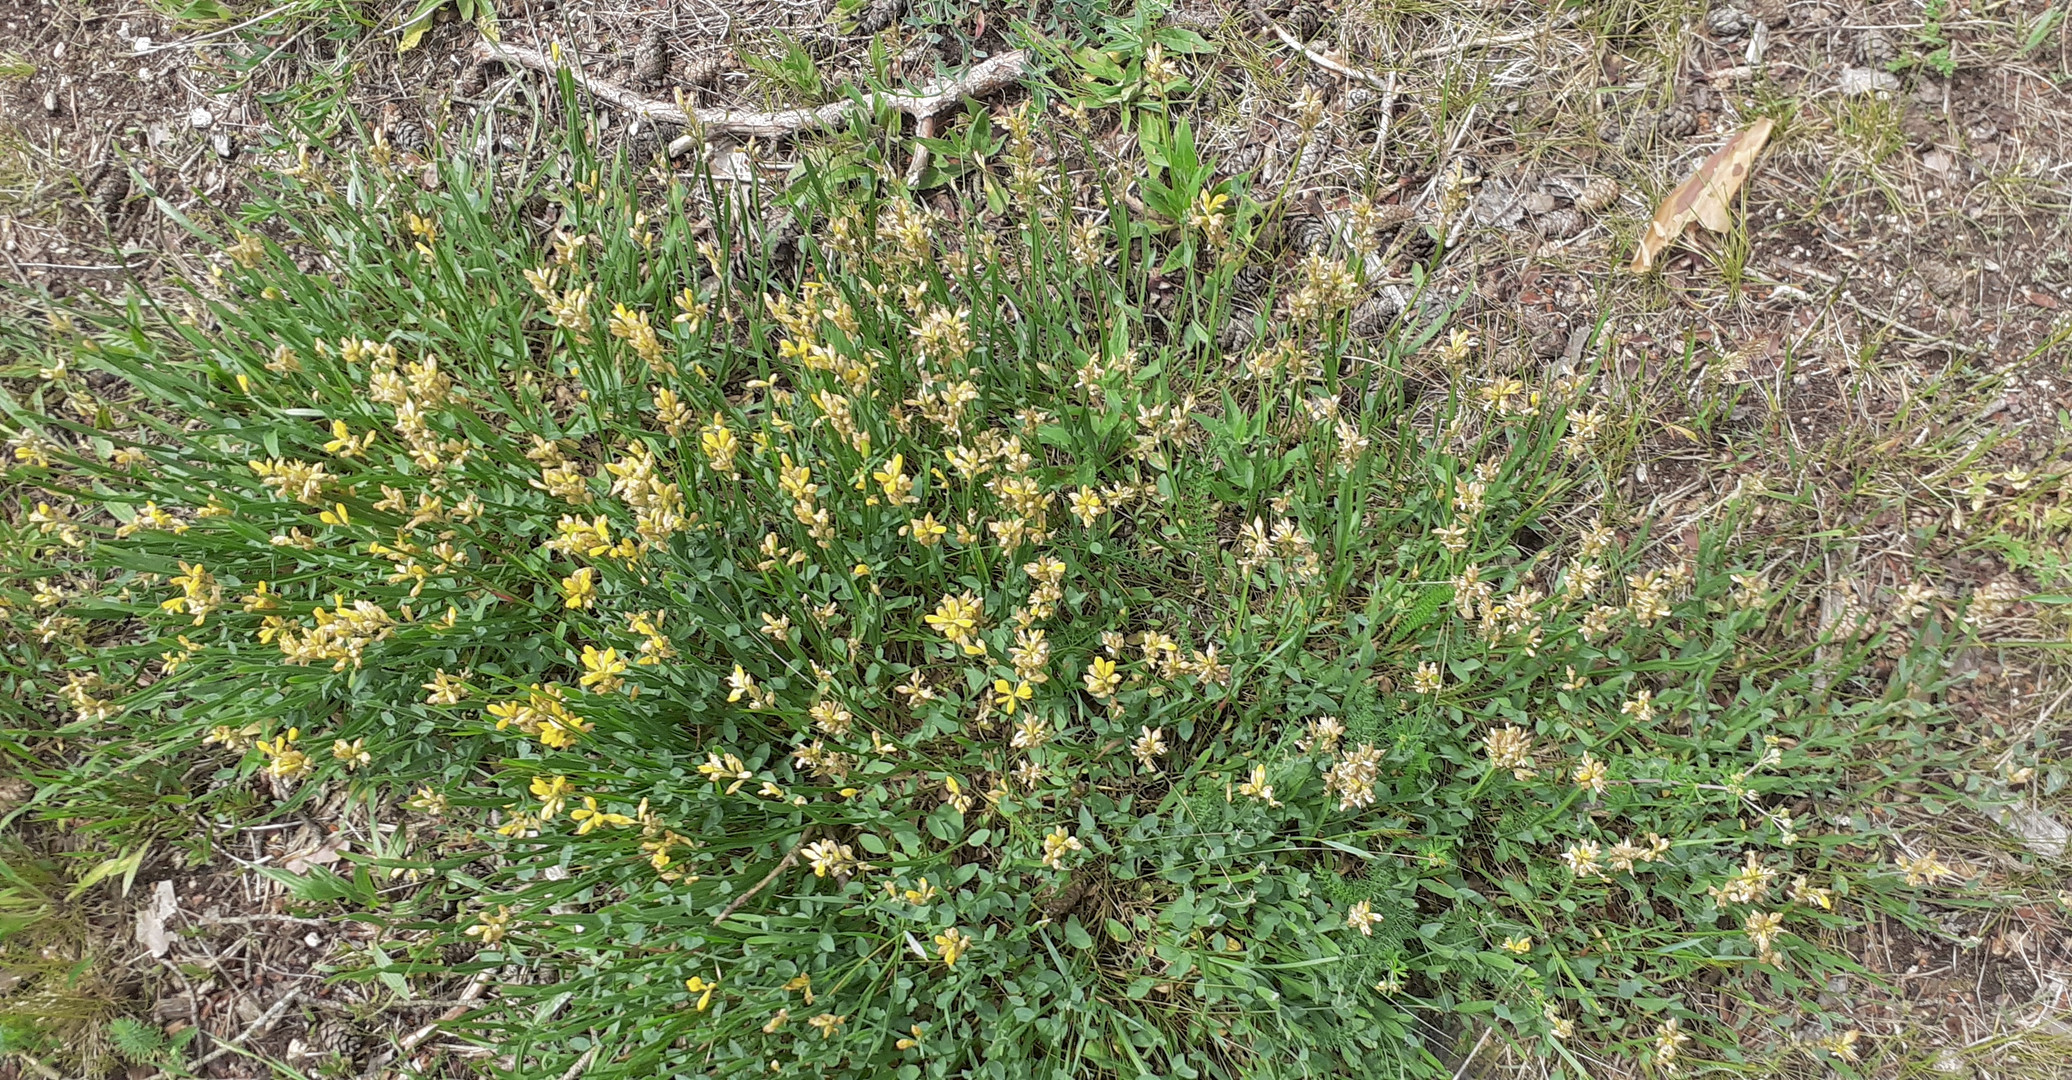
783 864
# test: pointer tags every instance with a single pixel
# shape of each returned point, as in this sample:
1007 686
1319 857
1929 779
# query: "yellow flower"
1925 869
492 926
1257 787
579 588
1059 844
1087 505
1007 697
1804 892
553 793
1101 678
588 817
718 769
828 1023
1762 928
719 444
353 754
602 670
1591 775
955 617
1843 1044
1362 918
897 485
739 683
927 531
696 984
445 689
1150 745
1519 945
283 759
951 944
828 857
428 801
231 738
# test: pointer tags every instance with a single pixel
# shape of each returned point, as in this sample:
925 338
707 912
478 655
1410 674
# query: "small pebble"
201 118
224 145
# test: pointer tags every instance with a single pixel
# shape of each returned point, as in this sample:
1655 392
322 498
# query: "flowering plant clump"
901 654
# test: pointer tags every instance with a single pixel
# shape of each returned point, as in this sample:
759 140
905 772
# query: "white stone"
1855 82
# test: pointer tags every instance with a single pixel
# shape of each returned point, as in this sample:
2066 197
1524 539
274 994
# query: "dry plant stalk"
1705 197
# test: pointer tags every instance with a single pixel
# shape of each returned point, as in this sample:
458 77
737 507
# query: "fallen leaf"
323 854
1704 196
151 918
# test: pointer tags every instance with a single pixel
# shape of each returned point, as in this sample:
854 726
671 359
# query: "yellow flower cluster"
199 593
543 715
341 635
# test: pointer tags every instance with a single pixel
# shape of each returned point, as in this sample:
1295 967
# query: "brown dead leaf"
323 854
1704 196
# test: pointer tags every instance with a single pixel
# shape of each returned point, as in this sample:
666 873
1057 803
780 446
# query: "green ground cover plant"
914 649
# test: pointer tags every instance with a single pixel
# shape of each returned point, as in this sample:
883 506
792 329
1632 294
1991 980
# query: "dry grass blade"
1704 196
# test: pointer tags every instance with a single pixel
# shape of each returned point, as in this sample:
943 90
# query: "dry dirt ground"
1875 363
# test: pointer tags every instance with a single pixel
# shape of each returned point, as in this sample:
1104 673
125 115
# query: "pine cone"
1305 20
1375 314
1728 23
706 70
1309 234
1597 194
1203 20
1677 122
879 15
819 44
651 62
406 137
107 191
1875 47
1562 224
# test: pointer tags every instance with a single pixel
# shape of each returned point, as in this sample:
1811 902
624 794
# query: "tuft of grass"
14 67
915 648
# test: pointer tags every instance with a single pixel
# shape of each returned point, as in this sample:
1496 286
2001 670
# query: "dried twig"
1317 58
38 1067
1388 116
583 1062
782 865
460 1007
1432 53
1472 1054
997 73
919 163
241 920
398 1005
1436 51
259 1027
